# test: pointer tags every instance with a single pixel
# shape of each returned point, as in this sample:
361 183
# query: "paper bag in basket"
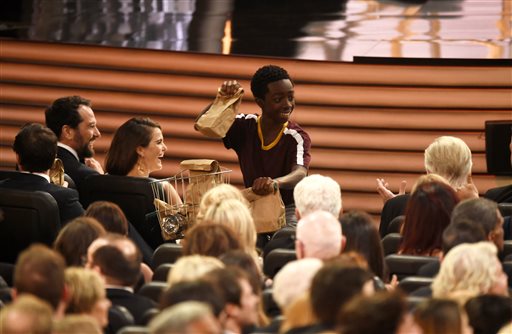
267 211
204 174
217 120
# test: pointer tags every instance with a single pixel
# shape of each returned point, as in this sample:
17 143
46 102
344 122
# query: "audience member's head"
27 314
441 316
126 152
39 271
469 270
197 290
117 259
488 313
241 303
35 147
317 192
485 213
218 194
75 238
210 240
246 263
383 313
293 280
236 215
76 323
333 286
318 235
72 120
362 236
462 231
192 267
87 294
426 216
185 318
449 157
109 215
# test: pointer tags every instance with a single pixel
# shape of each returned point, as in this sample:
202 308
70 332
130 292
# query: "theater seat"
166 253
407 265
133 195
160 274
28 217
391 243
276 260
153 290
412 283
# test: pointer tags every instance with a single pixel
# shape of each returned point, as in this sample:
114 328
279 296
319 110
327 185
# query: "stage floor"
305 29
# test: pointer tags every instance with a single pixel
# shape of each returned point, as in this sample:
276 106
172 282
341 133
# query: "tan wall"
365 121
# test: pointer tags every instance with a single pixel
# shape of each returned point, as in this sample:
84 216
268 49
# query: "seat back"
166 253
507 248
276 260
413 283
28 217
160 274
133 195
396 224
134 330
153 290
285 232
119 317
507 268
270 306
407 265
391 243
505 209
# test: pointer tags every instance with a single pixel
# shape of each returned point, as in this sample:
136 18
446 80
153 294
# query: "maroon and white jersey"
274 160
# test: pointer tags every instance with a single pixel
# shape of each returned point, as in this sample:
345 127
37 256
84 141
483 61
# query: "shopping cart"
177 198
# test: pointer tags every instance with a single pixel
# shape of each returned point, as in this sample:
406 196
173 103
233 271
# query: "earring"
141 169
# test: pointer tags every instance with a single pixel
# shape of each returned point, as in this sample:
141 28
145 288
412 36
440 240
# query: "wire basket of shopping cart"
177 198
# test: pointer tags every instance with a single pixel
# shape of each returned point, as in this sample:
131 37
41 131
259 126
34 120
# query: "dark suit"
67 199
77 170
500 194
137 305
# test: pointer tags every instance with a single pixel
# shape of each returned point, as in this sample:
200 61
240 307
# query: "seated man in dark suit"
118 260
72 120
36 147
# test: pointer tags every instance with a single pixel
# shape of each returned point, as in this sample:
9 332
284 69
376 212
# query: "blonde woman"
87 294
469 270
189 268
216 195
236 215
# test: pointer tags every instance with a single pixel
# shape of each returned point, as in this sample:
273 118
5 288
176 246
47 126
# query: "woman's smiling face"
152 154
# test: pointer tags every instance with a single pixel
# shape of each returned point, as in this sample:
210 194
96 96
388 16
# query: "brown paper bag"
203 175
217 120
267 211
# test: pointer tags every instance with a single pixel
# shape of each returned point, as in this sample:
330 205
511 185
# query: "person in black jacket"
73 122
36 147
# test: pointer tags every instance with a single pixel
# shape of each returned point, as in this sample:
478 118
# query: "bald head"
319 236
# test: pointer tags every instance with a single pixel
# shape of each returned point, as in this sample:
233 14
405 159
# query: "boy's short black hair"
265 75
36 146
64 111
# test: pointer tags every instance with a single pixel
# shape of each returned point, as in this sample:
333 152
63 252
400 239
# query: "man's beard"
84 150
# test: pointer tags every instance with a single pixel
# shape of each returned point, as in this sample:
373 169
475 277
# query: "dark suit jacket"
67 199
77 170
392 208
137 305
500 194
